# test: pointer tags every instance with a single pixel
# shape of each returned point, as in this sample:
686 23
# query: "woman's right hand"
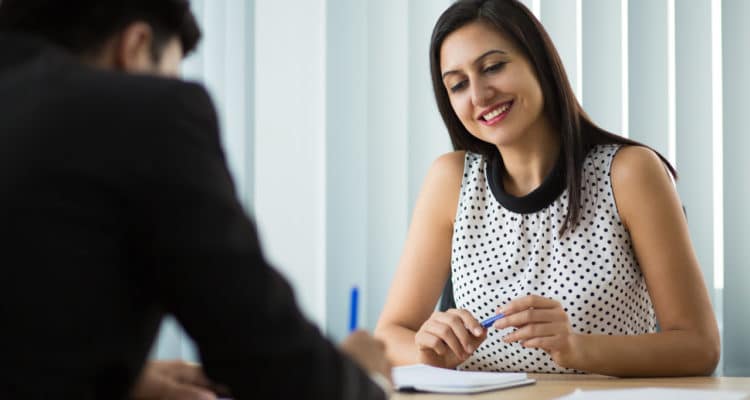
448 338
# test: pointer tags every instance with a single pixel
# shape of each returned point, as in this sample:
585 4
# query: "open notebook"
424 378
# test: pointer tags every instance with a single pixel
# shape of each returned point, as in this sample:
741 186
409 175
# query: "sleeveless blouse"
505 247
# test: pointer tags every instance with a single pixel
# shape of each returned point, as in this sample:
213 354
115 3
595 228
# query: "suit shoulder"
141 93
133 112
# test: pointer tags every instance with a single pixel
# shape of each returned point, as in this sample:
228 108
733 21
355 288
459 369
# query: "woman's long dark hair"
578 133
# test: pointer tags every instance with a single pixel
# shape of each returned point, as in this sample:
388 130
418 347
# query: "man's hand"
167 380
368 352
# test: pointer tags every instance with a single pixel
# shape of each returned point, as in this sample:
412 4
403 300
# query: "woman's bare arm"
425 262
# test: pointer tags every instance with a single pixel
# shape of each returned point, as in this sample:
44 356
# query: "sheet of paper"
425 375
656 394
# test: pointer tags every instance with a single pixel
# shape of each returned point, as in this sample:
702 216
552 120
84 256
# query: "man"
116 207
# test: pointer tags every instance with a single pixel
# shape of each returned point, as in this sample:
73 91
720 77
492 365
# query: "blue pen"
488 322
353 310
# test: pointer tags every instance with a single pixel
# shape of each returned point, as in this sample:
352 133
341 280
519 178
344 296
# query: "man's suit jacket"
116 208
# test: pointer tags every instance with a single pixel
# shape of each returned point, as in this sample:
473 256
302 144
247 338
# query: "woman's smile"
496 113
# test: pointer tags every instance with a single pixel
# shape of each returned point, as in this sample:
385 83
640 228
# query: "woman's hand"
542 324
448 338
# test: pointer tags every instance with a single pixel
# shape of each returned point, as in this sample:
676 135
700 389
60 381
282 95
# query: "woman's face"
491 85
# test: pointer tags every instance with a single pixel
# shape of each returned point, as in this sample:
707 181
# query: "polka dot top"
505 247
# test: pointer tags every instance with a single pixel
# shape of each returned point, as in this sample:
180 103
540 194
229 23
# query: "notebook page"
425 375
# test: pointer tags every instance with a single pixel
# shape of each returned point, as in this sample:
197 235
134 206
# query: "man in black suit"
116 207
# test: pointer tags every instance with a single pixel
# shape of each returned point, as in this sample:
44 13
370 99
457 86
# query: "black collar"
540 198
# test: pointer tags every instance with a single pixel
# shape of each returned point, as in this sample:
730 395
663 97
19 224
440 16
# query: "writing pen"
353 309
488 322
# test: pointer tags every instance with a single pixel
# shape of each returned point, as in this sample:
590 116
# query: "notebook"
424 378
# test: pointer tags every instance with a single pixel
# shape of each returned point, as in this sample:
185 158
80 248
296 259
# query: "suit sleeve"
209 270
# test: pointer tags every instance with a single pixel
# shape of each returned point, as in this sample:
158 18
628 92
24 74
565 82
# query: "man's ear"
132 52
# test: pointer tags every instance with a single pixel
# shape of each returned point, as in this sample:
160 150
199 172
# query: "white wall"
387 146
290 150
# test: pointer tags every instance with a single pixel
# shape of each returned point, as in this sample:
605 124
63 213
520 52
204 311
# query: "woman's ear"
132 49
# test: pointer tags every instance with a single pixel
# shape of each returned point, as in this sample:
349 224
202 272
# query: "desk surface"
551 386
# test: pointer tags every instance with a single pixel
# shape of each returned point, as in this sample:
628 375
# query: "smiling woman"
575 234
499 83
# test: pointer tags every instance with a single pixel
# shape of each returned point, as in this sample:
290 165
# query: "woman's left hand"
541 323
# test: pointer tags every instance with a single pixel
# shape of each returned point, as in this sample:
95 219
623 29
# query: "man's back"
116 207
72 290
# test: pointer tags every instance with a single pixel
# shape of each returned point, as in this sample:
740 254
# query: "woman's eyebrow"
478 60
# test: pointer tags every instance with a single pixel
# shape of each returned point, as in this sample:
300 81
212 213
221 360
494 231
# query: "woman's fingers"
541 322
454 320
470 323
446 330
526 302
531 331
530 316
437 333
455 331
428 341
547 343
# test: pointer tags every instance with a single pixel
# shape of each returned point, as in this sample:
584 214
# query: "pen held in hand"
353 309
489 321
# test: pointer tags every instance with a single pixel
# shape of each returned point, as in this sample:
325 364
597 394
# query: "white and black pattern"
499 254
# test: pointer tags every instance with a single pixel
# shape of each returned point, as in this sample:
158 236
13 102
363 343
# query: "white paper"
656 394
426 378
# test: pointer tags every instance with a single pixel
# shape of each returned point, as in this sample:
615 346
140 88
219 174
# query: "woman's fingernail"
477 331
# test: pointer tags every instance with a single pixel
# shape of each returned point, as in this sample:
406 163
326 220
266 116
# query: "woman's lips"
496 114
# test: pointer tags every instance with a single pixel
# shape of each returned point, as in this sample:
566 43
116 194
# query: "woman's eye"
495 67
460 85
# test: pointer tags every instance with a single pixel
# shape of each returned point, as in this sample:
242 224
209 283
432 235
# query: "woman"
574 234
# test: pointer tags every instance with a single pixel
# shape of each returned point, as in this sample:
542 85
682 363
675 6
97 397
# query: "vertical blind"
330 126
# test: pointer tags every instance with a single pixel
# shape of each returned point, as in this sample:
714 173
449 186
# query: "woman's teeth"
494 113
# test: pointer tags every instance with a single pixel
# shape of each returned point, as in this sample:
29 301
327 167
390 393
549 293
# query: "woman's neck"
528 162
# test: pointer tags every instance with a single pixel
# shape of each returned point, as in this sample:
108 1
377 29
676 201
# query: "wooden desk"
551 386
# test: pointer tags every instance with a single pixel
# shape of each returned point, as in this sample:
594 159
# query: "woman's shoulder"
446 172
631 164
442 185
449 165
457 163
638 176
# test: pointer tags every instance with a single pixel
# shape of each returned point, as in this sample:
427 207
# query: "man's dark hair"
83 26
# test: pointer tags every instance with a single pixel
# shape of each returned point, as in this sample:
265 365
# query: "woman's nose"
481 94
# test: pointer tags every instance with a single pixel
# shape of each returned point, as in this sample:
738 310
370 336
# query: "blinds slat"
736 62
603 63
